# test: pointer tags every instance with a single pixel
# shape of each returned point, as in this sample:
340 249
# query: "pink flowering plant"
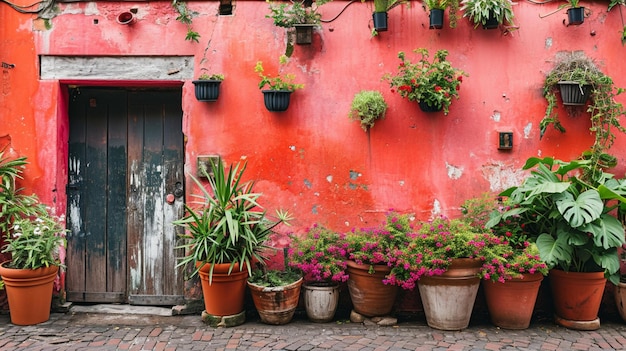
431 82
319 255
514 263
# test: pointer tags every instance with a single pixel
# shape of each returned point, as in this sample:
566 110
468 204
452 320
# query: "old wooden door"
125 158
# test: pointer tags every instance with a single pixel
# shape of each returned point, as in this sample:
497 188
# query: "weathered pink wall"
312 159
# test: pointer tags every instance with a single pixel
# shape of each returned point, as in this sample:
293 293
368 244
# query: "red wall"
312 159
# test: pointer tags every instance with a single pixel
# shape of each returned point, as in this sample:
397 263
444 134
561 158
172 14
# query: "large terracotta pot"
224 294
620 299
370 297
577 295
29 292
276 305
320 301
448 299
511 303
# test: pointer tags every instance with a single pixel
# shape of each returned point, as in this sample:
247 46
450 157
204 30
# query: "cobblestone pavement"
95 331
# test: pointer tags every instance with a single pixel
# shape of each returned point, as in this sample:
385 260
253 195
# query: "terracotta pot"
224 295
448 299
320 301
577 295
370 297
511 303
29 292
276 305
620 299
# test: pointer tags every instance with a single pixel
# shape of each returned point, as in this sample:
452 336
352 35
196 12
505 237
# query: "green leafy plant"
368 106
568 215
604 110
386 5
481 11
319 255
206 76
185 16
434 82
290 15
34 242
226 223
436 4
274 278
284 82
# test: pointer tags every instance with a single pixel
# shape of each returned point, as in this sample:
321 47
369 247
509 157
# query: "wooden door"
125 158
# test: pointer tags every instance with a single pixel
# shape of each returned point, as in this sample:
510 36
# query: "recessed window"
226 7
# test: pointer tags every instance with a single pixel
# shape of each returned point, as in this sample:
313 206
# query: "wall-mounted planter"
276 100
304 33
576 15
428 108
380 21
492 22
573 93
436 19
207 90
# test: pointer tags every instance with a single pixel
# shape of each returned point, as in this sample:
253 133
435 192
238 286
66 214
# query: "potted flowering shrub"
32 237
207 87
432 84
320 256
278 94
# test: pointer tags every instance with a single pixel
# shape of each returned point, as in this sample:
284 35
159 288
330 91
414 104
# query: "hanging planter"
572 93
428 108
491 22
436 19
304 33
207 90
448 299
380 21
576 15
276 100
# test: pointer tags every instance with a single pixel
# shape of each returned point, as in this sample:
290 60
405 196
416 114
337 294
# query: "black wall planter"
207 90
380 21
276 100
573 93
436 19
304 33
576 15
428 108
492 22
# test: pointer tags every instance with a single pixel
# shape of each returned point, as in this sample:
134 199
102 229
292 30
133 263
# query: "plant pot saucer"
578 325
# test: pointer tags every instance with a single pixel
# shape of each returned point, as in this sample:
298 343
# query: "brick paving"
95 331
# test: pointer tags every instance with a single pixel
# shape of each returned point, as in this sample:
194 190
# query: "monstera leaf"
582 210
555 252
607 232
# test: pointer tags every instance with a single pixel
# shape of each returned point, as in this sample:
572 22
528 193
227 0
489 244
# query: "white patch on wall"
496 116
501 176
91 9
292 147
401 183
329 178
436 209
548 42
453 171
527 130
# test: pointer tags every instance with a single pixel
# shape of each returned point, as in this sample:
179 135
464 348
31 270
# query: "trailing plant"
284 82
185 16
368 106
604 110
480 11
434 82
226 224
568 216
273 278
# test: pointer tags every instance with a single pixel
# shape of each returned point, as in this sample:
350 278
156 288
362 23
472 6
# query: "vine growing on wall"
185 17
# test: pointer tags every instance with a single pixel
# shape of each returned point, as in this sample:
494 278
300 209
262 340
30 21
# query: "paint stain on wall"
453 171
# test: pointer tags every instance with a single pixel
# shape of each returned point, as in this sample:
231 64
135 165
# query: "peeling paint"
354 175
453 171
401 183
308 184
292 147
527 130
501 176
436 209
548 42
314 209
496 116
329 178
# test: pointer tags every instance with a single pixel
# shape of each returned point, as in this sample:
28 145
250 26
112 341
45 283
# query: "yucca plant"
226 224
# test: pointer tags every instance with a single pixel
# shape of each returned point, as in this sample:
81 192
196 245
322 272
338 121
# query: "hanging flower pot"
576 15
436 19
577 297
511 303
304 33
321 301
572 93
380 21
448 299
428 108
370 297
29 292
276 100
223 292
207 90
492 22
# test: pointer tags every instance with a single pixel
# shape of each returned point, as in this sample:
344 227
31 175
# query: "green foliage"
479 11
368 106
185 17
207 76
604 110
386 5
287 15
436 4
227 224
274 278
433 82
568 215
284 82
319 255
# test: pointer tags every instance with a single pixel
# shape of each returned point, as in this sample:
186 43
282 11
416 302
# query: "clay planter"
224 295
276 100
448 299
276 305
511 303
577 297
320 301
207 90
620 299
370 297
573 94
29 292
